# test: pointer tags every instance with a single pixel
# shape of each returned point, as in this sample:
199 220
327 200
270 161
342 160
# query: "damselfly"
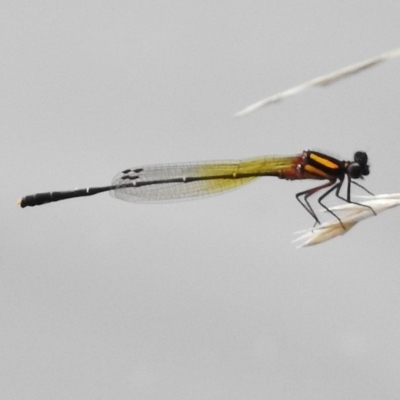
172 182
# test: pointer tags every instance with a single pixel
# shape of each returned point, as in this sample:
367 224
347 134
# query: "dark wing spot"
130 177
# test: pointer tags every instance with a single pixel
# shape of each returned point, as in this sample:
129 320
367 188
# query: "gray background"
102 299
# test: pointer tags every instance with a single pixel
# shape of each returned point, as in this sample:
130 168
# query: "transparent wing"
172 182
323 80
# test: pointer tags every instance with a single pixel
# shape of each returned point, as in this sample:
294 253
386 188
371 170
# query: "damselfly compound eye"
354 170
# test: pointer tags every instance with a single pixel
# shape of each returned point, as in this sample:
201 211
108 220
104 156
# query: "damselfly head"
359 168
361 158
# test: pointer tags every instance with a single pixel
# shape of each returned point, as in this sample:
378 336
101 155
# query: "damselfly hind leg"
306 194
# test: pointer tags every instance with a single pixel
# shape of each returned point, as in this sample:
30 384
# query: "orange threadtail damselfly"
173 182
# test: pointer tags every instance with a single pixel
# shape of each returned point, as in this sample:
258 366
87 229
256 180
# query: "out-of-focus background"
208 299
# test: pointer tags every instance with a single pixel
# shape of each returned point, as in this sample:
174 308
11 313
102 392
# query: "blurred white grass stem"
323 80
354 214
